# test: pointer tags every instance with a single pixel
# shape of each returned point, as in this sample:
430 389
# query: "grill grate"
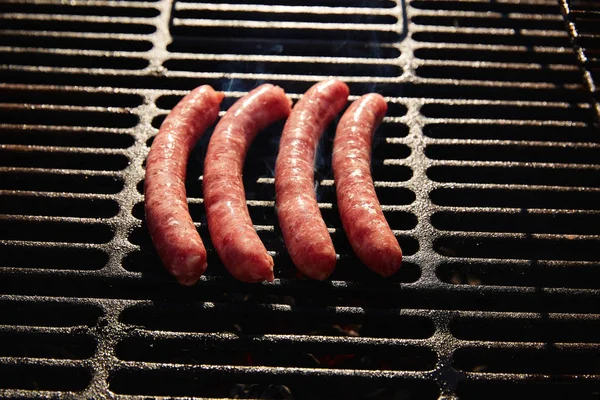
486 167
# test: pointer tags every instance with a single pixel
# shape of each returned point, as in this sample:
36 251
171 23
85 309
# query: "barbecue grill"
487 166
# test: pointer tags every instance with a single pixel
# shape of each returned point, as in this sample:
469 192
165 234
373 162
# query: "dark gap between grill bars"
43 377
183 27
65 42
23 157
46 345
284 68
549 361
76 26
68 97
65 117
487 38
245 351
211 383
51 313
524 55
55 258
506 22
570 93
50 181
500 131
541 329
455 5
545 73
521 248
556 176
517 198
322 3
472 389
511 152
282 47
506 112
72 61
58 206
522 221
284 17
67 137
51 231
534 273
79 9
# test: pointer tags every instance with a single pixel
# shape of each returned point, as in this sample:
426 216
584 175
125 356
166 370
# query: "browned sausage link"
174 235
231 230
368 232
304 232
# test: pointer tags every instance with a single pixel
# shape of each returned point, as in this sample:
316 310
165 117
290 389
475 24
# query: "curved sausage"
304 231
229 223
368 232
174 235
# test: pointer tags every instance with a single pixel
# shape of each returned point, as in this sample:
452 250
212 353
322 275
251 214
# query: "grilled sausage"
229 223
304 231
174 235
368 232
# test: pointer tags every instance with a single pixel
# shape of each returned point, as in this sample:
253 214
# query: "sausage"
304 231
172 230
229 223
368 232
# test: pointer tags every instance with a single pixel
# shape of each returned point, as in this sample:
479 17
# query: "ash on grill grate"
486 166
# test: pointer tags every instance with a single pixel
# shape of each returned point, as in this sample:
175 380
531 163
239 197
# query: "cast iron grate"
486 166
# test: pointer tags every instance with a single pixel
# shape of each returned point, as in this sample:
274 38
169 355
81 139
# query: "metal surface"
487 166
